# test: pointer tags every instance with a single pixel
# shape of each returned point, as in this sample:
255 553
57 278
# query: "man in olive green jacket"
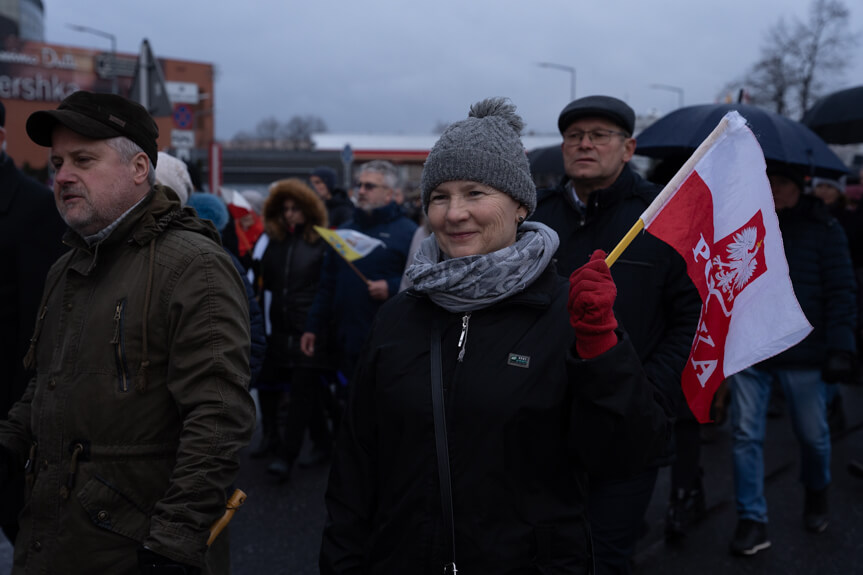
130 428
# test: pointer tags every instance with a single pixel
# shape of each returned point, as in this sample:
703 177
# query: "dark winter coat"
820 267
657 303
342 296
290 270
31 232
340 209
257 328
520 431
140 403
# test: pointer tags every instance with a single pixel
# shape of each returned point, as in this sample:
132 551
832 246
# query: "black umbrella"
838 118
781 139
546 161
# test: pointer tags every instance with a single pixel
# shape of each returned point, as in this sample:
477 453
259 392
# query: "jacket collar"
377 216
149 219
605 198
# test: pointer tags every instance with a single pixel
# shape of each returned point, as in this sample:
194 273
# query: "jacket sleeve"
351 490
15 433
838 289
620 421
682 309
208 377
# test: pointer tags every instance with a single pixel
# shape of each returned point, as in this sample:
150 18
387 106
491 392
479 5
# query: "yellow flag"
350 244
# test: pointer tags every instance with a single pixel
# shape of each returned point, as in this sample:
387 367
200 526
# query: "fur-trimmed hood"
306 198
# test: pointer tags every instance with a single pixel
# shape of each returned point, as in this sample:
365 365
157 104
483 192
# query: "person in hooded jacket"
486 390
139 406
290 270
340 209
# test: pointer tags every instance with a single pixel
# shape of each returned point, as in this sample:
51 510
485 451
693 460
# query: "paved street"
278 529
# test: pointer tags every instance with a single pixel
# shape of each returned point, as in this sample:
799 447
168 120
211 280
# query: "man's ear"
629 149
140 168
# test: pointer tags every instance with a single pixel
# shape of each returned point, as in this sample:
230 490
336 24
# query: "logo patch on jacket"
518 360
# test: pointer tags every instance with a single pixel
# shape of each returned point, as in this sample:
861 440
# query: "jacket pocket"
111 509
119 343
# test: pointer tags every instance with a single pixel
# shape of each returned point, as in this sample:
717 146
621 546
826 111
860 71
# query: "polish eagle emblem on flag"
744 263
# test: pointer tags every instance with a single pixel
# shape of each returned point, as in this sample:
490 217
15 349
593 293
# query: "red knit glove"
591 297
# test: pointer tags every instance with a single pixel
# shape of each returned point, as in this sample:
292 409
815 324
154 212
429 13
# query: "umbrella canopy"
545 161
838 118
781 139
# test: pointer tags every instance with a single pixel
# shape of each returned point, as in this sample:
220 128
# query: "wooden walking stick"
234 503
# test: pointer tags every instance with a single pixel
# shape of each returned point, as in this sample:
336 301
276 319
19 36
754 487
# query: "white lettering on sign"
50 59
36 88
18 58
182 139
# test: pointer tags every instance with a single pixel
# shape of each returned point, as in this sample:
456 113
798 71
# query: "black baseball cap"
604 106
97 116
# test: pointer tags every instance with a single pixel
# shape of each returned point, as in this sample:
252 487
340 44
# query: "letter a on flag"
350 244
718 213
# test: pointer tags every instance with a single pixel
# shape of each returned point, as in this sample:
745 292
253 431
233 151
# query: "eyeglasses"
598 137
367 186
291 209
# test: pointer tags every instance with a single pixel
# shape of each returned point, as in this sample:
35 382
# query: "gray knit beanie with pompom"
486 148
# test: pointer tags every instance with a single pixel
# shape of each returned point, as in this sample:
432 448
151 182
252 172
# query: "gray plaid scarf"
476 282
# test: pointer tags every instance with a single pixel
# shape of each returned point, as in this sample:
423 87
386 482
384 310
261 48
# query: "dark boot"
281 468
749 538
815 511
268 446
317 456
684 510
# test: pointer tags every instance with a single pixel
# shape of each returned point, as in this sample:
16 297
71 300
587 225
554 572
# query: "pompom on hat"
486 148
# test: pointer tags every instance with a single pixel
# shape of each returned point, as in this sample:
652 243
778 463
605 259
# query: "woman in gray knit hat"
487 389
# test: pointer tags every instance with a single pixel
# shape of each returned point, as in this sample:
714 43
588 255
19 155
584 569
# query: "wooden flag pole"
234 503
667 191
356 271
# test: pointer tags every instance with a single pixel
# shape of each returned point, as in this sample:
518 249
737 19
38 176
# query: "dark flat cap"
97 116
604 106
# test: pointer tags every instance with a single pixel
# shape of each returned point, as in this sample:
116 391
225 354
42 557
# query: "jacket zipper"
462 339
119 347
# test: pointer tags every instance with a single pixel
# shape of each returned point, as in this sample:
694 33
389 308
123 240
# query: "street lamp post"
569 69
676 89
113 40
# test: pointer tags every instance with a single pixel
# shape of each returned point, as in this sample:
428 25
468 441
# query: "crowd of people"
489 394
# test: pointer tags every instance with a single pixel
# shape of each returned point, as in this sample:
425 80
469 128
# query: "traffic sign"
184 117
347 155
181 139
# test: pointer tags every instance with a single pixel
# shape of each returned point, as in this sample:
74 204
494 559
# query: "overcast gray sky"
401 66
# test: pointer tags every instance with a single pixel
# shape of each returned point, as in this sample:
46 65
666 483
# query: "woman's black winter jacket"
525 419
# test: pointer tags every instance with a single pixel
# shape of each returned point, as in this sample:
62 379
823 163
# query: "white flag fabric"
350 244
722 220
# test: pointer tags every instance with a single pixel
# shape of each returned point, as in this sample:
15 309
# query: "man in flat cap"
593 207
130 429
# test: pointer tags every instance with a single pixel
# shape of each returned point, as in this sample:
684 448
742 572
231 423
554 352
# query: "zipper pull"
462 339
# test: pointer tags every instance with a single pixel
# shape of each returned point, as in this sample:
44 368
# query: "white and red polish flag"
718 213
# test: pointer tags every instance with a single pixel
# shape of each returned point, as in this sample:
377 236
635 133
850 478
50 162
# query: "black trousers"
616 510
309 394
